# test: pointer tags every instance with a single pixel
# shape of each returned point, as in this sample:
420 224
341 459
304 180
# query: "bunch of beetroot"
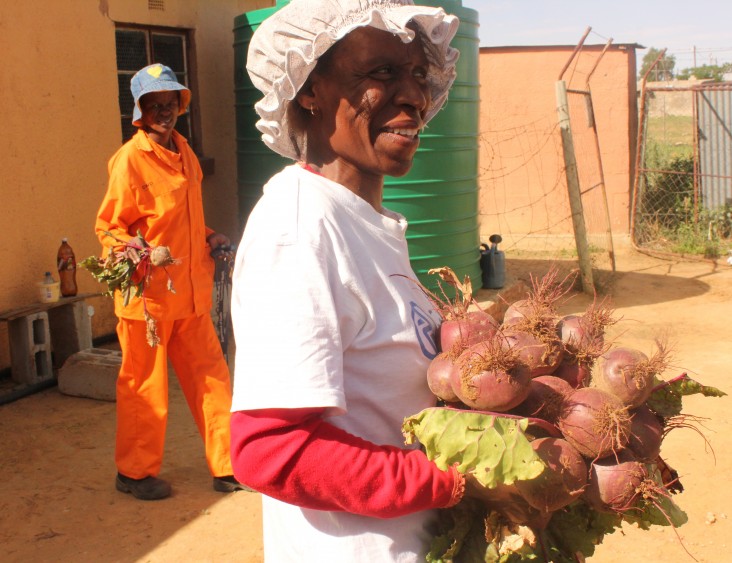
597 412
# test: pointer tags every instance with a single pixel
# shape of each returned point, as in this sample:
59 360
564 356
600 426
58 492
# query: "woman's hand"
215 240
221 249
131 250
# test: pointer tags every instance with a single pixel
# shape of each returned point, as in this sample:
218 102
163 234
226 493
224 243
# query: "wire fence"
542 180
526 198
682 202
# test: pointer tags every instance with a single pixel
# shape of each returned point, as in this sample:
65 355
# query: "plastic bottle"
66 269
49 291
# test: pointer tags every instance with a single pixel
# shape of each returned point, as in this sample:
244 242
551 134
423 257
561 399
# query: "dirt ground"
57 496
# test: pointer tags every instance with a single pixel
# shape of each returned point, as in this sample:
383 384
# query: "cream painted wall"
60 125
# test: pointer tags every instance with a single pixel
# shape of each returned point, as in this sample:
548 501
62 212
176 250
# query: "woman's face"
159 113
369 100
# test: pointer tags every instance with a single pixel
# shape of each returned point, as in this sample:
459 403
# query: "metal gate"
682 200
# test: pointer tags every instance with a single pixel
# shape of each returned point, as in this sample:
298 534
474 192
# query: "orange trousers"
142 393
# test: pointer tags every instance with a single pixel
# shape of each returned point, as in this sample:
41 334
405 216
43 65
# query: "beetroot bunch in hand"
542 388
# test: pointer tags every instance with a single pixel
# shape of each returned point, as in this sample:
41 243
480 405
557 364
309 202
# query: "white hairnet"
287 45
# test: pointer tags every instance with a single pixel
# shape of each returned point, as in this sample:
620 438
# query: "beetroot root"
562 481
595 422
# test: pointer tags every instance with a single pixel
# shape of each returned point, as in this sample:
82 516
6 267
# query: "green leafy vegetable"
116 273
579 529
665 400
455 526
507 543
493 448
127 269
464 532
659 511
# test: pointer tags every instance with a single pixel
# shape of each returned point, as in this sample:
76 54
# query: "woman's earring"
313 110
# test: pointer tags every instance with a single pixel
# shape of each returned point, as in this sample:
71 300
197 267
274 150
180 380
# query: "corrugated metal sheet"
714 119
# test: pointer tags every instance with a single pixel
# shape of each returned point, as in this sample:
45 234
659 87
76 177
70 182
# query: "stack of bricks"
42 336
30 353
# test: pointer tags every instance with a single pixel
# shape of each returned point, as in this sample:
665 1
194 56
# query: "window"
138 47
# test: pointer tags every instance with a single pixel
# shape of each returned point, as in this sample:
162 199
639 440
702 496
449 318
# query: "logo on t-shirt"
426 330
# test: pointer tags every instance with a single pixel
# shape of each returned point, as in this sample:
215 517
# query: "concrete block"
70 329
91 373
30 348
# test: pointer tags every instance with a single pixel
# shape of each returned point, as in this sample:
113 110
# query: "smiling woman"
159 116
333 335
365 105
153 198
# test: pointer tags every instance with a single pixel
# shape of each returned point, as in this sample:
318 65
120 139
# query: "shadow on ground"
655 284
57 496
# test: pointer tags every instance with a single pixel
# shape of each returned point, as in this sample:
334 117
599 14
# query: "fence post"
573 190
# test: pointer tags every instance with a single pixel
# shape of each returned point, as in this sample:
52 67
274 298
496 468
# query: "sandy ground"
57 496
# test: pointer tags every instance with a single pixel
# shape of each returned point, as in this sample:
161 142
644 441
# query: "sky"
680 26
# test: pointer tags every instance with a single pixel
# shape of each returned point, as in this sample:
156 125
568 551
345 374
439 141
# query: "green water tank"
255 162
439 196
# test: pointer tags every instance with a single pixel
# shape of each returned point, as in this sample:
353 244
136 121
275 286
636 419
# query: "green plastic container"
255 162
439 196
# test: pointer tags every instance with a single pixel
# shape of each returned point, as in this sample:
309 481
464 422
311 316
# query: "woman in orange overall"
155 190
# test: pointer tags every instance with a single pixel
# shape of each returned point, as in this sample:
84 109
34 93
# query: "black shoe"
149 488
229 484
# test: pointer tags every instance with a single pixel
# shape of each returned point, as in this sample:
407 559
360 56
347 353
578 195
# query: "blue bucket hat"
156 78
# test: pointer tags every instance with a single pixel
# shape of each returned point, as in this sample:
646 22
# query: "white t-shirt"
327 313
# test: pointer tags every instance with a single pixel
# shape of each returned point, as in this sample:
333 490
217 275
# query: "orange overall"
158 193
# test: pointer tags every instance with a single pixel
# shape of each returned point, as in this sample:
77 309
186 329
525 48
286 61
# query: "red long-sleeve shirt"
297 457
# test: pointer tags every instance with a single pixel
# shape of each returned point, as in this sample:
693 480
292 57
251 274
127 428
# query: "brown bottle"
66 269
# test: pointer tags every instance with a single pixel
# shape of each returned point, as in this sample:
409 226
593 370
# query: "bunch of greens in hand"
127 268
